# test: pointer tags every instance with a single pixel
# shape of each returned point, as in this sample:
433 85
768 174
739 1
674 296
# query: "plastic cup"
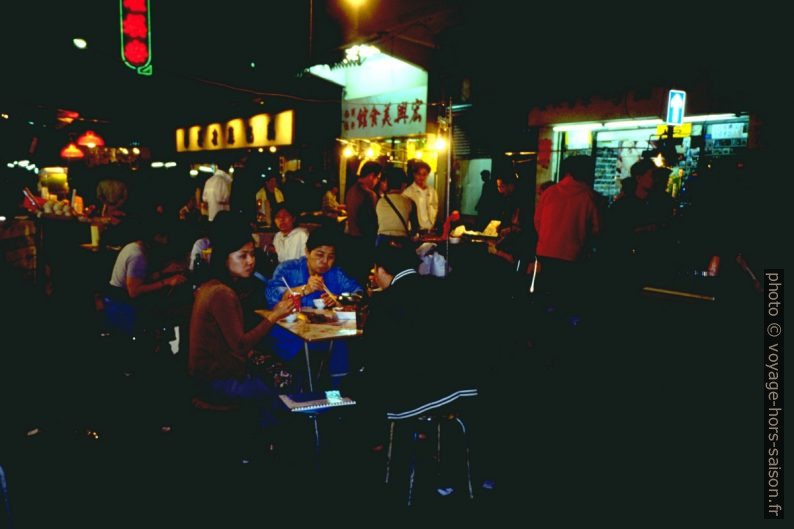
296 301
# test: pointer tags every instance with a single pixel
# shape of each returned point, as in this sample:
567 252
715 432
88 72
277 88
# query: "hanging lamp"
90 139
71 152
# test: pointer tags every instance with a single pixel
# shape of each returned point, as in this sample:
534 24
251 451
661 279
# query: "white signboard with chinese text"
400 113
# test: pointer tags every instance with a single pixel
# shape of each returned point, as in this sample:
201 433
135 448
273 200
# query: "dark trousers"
564 284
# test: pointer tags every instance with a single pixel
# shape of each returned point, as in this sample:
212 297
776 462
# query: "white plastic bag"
433 264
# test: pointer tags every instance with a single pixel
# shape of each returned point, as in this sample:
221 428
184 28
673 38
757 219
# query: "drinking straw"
287 284
534 273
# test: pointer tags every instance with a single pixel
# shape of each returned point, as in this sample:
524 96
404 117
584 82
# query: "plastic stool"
435 412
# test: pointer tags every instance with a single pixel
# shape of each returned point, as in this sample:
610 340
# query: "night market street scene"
362 262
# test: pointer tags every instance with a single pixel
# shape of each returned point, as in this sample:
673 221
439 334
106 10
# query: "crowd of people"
210 292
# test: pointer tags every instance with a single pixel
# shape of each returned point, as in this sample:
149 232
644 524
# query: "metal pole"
311 16
449 176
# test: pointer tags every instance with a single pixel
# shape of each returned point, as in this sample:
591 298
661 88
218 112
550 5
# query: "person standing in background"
217 192
425 198
396 212
362 221
485 205
566 218
267 198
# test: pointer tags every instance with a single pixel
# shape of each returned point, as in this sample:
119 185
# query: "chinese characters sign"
399 113
136 35
261 130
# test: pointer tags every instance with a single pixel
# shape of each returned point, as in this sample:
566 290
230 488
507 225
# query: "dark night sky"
515 54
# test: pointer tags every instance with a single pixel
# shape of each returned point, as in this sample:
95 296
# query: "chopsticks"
330 294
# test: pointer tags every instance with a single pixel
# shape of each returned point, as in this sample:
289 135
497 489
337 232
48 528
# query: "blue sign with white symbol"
676 100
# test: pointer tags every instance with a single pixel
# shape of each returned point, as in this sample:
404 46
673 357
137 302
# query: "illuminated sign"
400 113
136 35
262 130
676 101
679 131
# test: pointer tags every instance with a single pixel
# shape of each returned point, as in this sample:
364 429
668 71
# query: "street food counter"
18 246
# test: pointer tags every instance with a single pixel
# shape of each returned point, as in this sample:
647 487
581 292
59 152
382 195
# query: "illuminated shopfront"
384 113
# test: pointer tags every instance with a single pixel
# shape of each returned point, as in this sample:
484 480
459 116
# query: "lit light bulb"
370 153
440 144
418 155
272 148
347 152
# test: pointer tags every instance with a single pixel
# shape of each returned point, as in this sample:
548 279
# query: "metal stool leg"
438 448
388 452
468 459
412 469
308 365
6 520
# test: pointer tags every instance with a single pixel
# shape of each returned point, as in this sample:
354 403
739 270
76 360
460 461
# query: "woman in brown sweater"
221 349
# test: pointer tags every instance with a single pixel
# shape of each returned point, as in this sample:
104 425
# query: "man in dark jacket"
362 221
408 363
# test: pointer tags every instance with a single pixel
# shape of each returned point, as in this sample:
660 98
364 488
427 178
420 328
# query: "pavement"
645 411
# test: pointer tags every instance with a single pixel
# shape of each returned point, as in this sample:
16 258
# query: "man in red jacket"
566 218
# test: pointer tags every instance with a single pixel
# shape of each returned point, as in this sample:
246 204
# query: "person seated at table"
309 276
144 279
415 368
289 241
222 358
134 274
331 206
413 365
313 273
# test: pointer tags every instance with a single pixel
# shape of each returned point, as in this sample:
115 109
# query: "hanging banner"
400 113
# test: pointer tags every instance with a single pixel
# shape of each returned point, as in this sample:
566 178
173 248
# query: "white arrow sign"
676 101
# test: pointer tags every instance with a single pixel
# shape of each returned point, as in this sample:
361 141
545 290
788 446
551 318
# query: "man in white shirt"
425 198
217 191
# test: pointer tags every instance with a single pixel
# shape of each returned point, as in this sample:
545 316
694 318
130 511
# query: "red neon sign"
136 35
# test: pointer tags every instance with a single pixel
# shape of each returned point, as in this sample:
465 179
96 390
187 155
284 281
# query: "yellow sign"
262 130
679 131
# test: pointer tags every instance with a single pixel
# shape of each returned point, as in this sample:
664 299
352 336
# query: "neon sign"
136 35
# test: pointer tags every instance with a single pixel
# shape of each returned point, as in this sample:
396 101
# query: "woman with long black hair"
222 359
